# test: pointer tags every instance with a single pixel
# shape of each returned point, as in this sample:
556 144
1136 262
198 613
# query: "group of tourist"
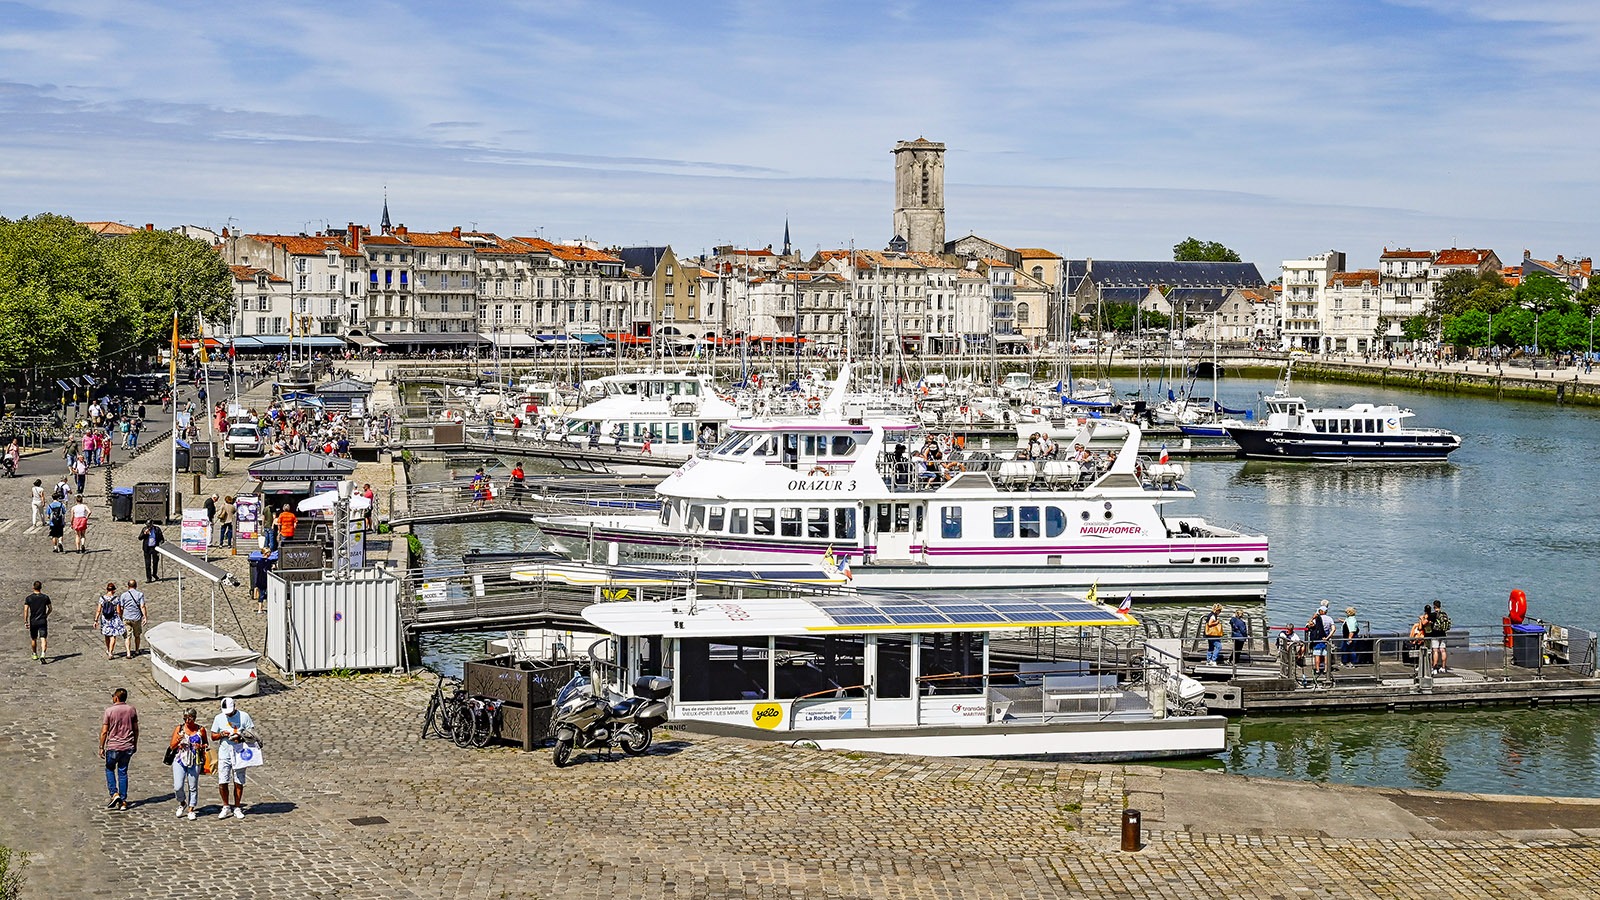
225 749
1336 643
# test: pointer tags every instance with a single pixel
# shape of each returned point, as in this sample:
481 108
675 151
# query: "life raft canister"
1517 612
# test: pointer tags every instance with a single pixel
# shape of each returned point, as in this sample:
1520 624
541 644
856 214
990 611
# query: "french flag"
1126 606
1163 454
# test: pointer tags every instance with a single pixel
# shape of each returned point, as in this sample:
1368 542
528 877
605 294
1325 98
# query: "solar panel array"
866 610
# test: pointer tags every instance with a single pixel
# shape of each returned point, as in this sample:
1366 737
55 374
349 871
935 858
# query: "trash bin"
1527 646
181 456
122 504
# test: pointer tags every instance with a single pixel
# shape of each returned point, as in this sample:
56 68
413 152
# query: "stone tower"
919 194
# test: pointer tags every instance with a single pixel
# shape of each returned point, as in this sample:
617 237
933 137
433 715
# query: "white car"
244 439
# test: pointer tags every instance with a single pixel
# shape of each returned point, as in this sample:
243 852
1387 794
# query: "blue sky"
1103 129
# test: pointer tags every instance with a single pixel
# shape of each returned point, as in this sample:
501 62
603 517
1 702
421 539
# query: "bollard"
1131 823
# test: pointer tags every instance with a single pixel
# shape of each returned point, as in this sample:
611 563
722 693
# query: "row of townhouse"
1328 308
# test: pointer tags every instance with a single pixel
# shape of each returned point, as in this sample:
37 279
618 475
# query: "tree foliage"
1541 310
69 297
1127 318
1195 250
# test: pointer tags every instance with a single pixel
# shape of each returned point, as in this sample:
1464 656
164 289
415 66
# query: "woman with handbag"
186 753
108 618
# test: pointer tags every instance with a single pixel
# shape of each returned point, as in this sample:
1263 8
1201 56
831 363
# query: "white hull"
1106 741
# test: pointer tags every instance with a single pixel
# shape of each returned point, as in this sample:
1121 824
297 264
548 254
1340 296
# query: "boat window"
739 520
844 523
947 656
631 387
902 517
733 668
689 388
894 667
1344 426
763 446
1055 521
1028 521
789 521
1005 522
791 449
1372 426
666 513
885 518
843 445
764 520
1320 425
950 522
817 522
922 511
829 667
697 517
742 442
656 432
715 518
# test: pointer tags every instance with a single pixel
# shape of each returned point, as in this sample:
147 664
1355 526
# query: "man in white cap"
228 730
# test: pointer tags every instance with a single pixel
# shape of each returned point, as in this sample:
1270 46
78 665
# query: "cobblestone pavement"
697 817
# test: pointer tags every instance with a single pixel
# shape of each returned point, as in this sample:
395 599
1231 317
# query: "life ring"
1519 606
820 470
963 410
813 403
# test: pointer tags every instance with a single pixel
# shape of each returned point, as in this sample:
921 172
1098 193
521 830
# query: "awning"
280 341
362 340
554 338
1010 338
592 338
189 344
623 337
511 339
433 338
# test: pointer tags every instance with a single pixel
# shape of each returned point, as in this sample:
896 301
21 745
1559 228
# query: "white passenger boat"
943 676
859 492
671 413
1363 432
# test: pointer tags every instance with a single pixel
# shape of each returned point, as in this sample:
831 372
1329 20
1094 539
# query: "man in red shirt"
119 738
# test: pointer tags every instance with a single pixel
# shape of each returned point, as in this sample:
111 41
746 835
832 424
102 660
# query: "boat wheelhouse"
672 413
942 676
903 508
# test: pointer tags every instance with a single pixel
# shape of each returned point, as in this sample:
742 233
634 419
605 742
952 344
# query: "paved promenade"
696 818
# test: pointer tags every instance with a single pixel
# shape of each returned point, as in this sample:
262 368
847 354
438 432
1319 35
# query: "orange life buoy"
813 403
1519 606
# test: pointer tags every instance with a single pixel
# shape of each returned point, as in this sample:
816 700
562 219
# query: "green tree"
55 301
1542 293
157 271
1195 250
1468 329
1417 328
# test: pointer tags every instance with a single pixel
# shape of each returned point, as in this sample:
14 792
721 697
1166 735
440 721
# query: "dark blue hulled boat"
1362 432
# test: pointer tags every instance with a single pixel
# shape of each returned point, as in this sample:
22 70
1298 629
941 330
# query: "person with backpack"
55 517
1350 630
1438 629
1318 630
1239 629
108 618
1213 630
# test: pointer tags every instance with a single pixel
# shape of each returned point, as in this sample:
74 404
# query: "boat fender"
1185 688
1519 606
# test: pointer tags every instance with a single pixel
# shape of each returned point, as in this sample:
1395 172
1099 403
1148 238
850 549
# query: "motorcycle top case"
653 687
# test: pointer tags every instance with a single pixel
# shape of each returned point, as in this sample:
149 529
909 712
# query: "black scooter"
588 718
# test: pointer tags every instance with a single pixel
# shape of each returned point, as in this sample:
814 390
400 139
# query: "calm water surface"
1510 510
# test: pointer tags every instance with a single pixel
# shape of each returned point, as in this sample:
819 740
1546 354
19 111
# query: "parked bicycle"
477 721
445 709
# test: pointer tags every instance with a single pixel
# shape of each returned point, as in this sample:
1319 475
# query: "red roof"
1454 257
1406 254
249 273
1355 279
305 245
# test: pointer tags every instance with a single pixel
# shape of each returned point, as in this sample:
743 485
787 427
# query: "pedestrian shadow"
270 807
62 658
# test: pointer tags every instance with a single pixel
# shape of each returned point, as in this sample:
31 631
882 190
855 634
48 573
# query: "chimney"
149 226
456 232
225 232
355 236
400 230
1526 255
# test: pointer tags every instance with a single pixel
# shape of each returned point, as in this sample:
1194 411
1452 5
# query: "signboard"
358 407
358 543
247 509
196 533
181 420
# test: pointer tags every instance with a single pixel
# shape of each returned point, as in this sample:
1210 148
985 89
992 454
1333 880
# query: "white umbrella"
327 499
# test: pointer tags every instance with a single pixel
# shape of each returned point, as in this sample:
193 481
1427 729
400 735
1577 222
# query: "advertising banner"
196 534
247 510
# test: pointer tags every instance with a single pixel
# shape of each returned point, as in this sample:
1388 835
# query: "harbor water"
1510 510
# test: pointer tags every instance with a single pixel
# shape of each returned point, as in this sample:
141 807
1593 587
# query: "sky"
1103 129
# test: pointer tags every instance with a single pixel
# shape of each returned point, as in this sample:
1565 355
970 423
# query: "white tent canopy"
327 499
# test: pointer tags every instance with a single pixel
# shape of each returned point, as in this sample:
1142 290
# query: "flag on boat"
1094 592
1163 454
1058 386
1126 606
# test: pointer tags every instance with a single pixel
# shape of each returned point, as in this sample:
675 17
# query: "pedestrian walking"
80 522
211 515
119 739
229 730
187 748
55 516
13 458
133 617
1213 628
36 503
36 614
80 473
1239 629
150 537
108 618
227 514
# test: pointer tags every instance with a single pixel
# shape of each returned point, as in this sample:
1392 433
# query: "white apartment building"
1304 281
1352 304
323 277
1403 286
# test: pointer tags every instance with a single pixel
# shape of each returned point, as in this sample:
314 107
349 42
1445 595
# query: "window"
950 523
764 521
404 275
817 522
333 283
1028 522
715 518
373 276
1055 521
302 281
789 521
844 523
1022 313
1005 522
739 520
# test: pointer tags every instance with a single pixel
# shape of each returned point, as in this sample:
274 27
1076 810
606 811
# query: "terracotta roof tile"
111 229
1037 253
435 239
249 273
1354 279
1406 253
1455 257
304 245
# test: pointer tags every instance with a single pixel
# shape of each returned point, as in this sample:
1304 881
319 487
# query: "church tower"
919 194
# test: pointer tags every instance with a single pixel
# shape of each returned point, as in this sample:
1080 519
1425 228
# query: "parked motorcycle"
588 717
